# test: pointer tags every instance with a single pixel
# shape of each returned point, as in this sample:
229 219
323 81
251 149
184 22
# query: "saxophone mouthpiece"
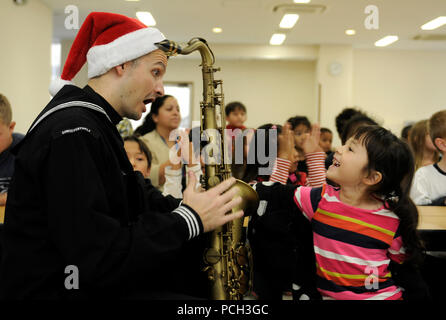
171 48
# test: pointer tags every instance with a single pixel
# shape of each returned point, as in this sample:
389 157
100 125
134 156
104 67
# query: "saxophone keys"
212 256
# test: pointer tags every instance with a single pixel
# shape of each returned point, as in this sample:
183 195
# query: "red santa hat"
106 40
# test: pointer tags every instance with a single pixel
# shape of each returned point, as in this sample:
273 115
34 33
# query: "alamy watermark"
247 146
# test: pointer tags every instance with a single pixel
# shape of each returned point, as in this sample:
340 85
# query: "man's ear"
122 68
440 144
373 178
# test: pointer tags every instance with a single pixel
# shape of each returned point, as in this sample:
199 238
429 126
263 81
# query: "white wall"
397 86
25 59
272 90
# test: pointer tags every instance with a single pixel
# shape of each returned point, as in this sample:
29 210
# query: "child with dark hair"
235 115
349 128
405 132
365 223
343 117
326 140
139 155
302 128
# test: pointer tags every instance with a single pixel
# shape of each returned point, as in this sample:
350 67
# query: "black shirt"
7 163
75 200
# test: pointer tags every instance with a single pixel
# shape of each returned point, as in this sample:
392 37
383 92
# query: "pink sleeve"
303 201
396 252
280 171
316 169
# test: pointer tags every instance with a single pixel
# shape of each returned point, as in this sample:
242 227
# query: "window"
55 60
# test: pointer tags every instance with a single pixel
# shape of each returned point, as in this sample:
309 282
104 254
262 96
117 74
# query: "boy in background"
8 139
429 185
235 115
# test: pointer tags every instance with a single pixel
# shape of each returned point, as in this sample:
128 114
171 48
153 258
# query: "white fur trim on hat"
58 84
102 58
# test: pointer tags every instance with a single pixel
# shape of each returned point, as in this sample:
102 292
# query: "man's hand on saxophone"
213 204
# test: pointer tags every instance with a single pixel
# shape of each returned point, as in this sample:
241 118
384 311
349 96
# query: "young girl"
280 240
361 226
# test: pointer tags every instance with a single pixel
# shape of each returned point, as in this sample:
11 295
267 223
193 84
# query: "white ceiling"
253 21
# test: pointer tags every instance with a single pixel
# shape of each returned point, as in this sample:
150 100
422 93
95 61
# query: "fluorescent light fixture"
302 1
289 20
350 32
217 30
434 24
386 41
132 0
146 18
277 39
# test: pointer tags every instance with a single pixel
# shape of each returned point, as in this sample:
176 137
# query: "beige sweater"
160 154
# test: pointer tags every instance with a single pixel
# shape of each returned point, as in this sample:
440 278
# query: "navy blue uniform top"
75 200
7 163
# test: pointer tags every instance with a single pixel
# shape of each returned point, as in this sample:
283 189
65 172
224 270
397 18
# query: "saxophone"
227 259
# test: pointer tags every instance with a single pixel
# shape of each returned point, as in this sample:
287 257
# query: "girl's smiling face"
349 164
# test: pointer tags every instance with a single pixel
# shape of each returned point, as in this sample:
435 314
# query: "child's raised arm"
315 158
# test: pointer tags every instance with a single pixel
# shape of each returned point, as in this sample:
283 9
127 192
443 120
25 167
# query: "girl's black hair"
393 159
148 124
142 147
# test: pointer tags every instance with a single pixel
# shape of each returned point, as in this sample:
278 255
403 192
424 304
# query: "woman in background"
164 117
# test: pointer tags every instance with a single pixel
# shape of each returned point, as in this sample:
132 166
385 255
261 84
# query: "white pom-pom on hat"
58 84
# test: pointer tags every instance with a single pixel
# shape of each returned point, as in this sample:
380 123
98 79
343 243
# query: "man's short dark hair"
233 106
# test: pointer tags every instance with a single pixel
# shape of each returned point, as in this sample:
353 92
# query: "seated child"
364 224
429 185
8 139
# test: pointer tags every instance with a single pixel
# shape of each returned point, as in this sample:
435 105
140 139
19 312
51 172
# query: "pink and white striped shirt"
353 246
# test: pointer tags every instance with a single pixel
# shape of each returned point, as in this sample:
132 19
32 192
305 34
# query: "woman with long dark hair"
156 132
